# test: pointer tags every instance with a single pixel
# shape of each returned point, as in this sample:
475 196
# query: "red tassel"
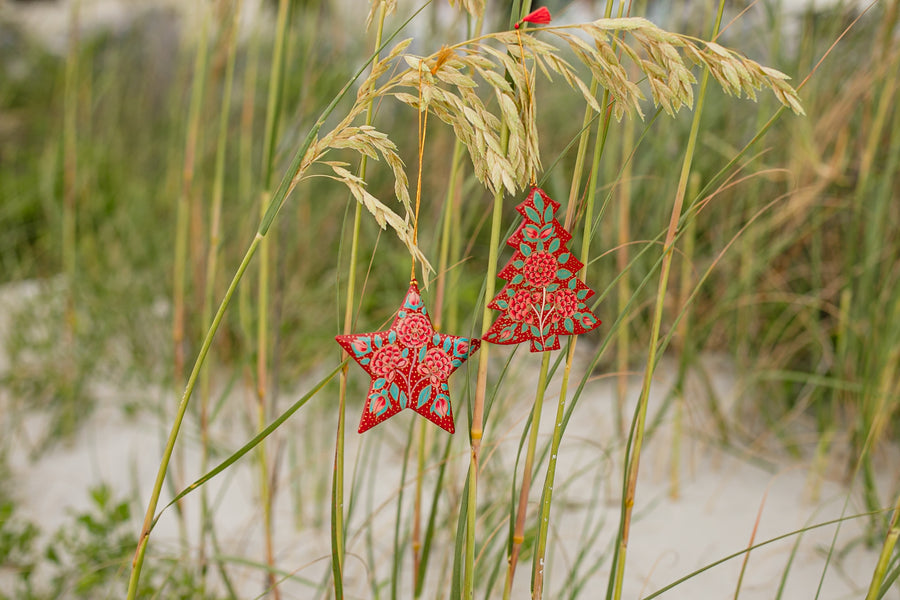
539 17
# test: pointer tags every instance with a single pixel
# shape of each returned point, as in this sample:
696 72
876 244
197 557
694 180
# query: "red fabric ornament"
543 298
540 16
409 365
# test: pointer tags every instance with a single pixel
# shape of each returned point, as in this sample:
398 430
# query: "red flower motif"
387 361
521 306
588 321
540 269
441 407
566 303
462 348
378 405
360 346
437 365
414 330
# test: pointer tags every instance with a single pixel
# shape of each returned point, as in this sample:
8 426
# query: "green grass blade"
263 434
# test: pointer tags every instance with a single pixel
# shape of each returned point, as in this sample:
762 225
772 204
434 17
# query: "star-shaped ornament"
409 365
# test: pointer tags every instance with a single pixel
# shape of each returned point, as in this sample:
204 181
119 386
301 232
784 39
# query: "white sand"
714 516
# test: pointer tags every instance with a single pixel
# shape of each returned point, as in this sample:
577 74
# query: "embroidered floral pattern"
436 366
414 330
540 269
566 303
409 364
521 307
387 361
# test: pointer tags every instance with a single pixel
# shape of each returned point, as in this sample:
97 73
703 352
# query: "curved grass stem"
519 533
273 110
559 423
636 441
141 550
284 189
884 558
212 266
337 493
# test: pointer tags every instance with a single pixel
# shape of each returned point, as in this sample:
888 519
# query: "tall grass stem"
521 511
633 452
212 261
280 197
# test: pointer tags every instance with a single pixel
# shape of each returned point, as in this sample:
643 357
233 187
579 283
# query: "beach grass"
212 215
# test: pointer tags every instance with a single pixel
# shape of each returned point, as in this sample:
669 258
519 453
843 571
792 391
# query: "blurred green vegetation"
803 300
802 235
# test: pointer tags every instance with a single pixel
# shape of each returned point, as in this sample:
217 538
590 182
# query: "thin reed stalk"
445 304
182 227
477 424
865 292
228 42
138 562
636 440
539 562
559 423
446 318
683 344
70 202
280 196
518 535
884 557
273 114
623 290
337 497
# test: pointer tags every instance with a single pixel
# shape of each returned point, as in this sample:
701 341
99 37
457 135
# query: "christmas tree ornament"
543 298
409 365
410 362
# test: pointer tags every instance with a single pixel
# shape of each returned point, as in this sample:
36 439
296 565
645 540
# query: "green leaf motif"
569 325
525 249
563 258
424 396
539 202
532 214
554 246
563 274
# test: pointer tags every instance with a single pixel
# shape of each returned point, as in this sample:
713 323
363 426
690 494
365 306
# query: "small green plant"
85 558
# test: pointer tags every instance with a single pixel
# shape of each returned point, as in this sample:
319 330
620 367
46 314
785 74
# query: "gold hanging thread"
422 124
